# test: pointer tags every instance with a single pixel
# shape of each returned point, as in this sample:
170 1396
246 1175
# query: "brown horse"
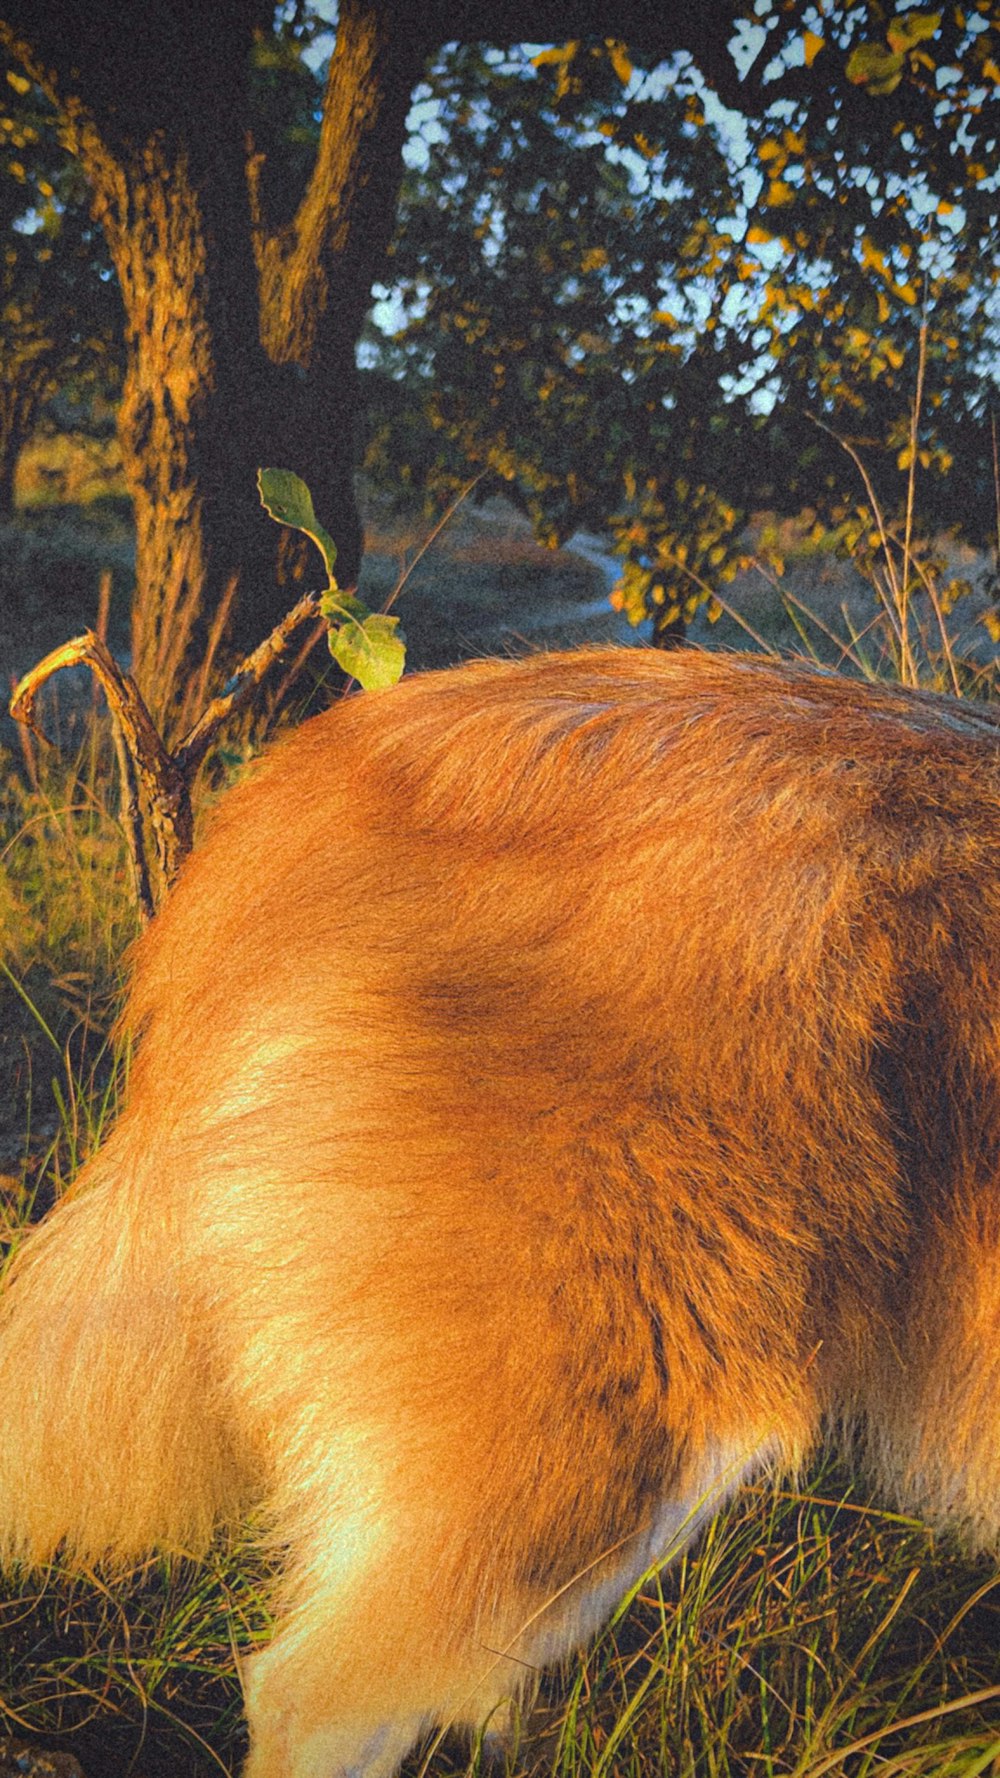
562 1089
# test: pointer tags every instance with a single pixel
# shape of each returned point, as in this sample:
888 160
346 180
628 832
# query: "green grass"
808 1632
835 597
66 916
147 1668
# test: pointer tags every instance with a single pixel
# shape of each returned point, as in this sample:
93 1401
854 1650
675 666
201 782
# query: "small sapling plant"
156 783
366 644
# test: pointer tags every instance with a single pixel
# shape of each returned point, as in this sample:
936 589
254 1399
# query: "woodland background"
696 305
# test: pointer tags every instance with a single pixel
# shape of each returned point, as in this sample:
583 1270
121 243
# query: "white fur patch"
575 1615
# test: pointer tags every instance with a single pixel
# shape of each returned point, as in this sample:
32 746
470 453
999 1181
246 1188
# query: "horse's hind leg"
353 1680
404 1624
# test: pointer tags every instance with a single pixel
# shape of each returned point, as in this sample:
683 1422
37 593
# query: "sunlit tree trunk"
239 342
195 397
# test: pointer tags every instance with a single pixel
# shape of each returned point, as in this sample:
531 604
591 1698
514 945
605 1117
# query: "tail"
113 1440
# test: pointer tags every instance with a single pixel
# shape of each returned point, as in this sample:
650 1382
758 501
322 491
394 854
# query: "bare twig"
240 688
156 784
911 486
432 537
894 595
163 786
132 819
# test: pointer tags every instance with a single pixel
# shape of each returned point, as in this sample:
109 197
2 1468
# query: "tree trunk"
23 388
240 344
195 373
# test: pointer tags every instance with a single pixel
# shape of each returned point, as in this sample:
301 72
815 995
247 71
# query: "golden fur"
561 1088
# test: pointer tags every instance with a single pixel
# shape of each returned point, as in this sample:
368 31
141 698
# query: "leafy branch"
367 645
156 784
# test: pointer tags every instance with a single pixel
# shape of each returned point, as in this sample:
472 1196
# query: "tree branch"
244 682
154 780
316 274
142 757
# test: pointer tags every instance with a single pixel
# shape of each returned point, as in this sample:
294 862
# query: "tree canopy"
631 300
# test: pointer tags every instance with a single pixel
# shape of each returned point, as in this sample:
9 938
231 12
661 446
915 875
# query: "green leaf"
370 649
336 605
285 496
875 67
910 28
367 645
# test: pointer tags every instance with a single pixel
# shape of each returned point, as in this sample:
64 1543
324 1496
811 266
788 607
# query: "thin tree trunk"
22 390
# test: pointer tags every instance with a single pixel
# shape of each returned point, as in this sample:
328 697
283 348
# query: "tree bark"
239 343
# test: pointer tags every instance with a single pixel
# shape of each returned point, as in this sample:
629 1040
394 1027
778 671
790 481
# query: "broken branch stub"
151 778
156 784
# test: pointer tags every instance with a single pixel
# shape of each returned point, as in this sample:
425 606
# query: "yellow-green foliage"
68 467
